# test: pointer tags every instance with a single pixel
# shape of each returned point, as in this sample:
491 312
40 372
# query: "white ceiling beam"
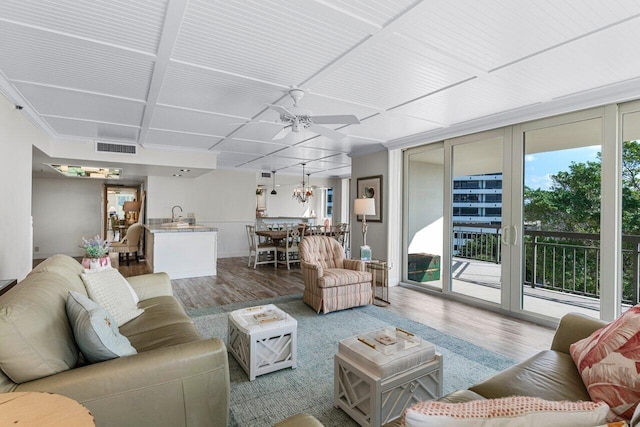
173 19
375 38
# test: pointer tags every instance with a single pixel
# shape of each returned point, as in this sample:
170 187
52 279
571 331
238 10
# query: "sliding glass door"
476 217
521 218
424 175
561 218
630 218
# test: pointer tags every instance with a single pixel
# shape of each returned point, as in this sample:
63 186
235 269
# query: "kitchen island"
181 250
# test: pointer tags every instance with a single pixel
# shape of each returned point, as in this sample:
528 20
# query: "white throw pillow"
509 411
112 291
95 330
134 295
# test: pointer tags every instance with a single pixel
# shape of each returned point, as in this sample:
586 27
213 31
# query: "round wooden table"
43 410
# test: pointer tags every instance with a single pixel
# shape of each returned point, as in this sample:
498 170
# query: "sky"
539 167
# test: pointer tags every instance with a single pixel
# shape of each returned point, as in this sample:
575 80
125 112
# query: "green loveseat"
176 379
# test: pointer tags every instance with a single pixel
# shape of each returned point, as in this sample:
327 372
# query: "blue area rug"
309 388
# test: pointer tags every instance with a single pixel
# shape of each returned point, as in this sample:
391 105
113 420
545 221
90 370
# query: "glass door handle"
505 232
515 235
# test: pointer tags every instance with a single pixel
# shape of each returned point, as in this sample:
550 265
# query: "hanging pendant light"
303 194
274 192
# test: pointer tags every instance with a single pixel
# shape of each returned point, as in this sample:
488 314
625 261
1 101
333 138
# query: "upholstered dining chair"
331 281
129 244
256 248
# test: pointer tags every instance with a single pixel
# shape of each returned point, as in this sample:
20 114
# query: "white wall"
364 166
224 199
17 135
64 211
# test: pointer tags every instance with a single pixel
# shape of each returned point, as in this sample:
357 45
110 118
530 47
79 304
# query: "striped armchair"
331 281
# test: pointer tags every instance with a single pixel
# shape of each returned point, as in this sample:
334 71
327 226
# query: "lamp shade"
131 207
364 206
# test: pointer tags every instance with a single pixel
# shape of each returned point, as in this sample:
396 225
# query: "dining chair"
256 248
289 248
342 232
316 230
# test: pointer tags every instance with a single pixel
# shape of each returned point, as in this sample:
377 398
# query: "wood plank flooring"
236 282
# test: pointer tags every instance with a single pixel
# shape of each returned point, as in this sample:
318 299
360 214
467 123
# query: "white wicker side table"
263 339
375 385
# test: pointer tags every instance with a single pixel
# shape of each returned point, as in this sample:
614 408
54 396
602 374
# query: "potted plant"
96 253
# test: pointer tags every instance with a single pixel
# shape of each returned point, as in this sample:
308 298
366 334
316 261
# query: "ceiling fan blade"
282 133
348 119
329 133
282 111
255 122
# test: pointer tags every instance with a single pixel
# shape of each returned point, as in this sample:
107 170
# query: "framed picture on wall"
371 187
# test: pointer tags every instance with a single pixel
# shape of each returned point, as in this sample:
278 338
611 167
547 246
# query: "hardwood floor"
236 282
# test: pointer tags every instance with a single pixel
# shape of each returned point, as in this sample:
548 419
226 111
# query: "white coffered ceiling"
187 74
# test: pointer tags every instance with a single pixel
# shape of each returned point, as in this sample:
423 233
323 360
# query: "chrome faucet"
173 215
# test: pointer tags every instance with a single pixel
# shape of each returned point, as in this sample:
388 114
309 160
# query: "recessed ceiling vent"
265 175
111 147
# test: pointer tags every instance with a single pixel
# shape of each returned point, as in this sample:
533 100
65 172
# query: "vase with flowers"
96 253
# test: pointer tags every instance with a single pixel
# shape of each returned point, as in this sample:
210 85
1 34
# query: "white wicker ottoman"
263 339
375 385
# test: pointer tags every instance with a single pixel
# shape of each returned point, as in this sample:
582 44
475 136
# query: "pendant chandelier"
304 193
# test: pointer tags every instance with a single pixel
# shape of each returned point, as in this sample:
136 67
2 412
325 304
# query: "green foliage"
573 201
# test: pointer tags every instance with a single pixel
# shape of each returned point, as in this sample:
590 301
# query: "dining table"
278 235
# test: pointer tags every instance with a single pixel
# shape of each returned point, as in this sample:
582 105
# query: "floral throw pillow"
609 363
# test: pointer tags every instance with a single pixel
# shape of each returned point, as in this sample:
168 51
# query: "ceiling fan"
297 119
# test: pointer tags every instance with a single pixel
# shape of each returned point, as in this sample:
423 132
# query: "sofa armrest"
158 387
151 285
354 264
314 269
572 328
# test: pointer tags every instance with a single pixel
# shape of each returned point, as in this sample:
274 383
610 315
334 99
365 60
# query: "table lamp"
131 207
364 207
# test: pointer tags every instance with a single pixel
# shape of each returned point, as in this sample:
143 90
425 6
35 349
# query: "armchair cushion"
339 277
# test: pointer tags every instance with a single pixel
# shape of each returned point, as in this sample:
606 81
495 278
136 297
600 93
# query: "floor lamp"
364 207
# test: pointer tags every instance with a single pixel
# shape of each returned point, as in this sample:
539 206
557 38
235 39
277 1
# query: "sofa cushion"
549 375
37 340
515 410
158 312
96 332
165 336
609 362
338 277
110 290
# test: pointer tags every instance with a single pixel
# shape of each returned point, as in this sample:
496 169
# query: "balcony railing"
560 261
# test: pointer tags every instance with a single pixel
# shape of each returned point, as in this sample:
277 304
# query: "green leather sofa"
176 379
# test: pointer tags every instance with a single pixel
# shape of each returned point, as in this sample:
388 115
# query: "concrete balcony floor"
481 279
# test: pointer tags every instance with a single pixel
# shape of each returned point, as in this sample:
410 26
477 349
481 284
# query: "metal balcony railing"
560 261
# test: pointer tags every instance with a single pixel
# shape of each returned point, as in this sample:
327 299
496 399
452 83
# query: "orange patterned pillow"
609 363
507 411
